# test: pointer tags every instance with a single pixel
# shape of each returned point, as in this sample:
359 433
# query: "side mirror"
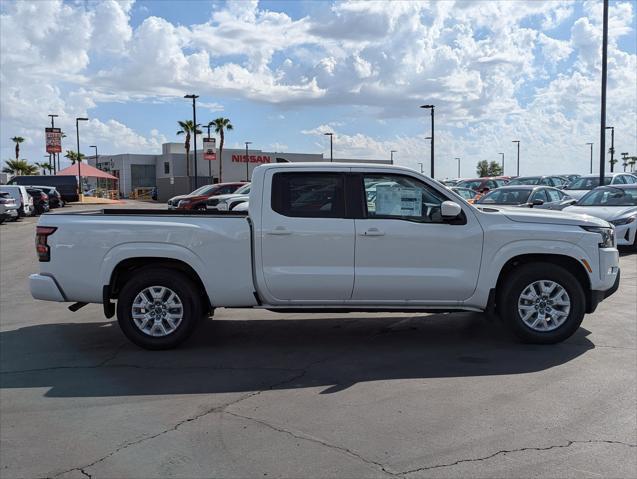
450 209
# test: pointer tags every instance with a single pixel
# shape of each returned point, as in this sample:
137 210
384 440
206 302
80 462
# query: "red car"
482 185
197 199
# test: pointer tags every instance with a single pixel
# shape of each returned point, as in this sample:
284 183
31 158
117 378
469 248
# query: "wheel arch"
569 263
125 269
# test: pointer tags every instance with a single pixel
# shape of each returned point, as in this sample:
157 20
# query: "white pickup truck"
329 237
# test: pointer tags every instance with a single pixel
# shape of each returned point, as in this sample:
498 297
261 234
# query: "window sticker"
394 200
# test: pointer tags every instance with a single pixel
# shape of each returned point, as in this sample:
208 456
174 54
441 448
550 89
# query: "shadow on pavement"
227 356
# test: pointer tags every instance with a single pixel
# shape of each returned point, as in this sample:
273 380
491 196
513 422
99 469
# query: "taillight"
42 249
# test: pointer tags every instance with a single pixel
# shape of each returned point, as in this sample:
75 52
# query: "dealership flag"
210 149
53 140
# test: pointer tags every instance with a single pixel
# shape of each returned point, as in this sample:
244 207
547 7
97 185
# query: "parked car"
227 202
529 196
451 182
482 185
556 181
8 208
55 199
40 200
245 206
466 193
21 197
586 183
615 204
66 185
570 177
197 199
312 243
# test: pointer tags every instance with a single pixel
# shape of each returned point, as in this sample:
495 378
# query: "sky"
286 72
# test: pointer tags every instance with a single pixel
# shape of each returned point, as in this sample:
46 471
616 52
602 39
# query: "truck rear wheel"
542 303
158 308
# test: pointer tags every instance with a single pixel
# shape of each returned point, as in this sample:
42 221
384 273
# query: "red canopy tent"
86 170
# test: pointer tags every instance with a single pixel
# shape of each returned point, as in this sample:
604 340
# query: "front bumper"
625 234
598 296
45 288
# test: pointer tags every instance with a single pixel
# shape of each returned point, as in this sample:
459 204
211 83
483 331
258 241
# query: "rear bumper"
45 288
598 296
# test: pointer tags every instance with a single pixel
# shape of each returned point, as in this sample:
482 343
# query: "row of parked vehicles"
615 201
18 201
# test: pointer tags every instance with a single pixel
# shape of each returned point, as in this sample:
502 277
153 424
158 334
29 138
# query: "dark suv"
40 200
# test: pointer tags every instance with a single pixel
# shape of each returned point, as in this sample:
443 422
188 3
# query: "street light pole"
421 170
247 160
458 166
194 121
612 147
95 146
79 158
391 156
591 145
602 140
518 142
331 135
502 162
53 126
431 107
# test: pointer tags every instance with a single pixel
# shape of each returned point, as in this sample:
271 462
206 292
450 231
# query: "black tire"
518 280
184 288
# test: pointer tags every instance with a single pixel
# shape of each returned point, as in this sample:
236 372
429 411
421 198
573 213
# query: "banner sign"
53 140
210 149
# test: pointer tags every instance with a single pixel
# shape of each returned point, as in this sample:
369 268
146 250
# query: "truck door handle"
280 231
373 232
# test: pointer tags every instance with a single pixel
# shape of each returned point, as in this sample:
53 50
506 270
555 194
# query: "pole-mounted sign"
53 140
210 149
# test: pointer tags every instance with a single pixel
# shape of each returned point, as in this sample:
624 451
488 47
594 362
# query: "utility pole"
331 135
518 142
432 108
502 162
602 126
247 160
591 145
612 147
194 121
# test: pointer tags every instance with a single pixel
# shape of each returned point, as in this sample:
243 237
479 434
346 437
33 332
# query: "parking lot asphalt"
258 394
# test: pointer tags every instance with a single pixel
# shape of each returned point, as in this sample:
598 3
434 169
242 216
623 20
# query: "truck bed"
150 212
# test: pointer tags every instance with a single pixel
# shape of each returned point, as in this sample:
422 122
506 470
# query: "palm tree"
19 167
221 124
72 155
17 140
44 167
188 127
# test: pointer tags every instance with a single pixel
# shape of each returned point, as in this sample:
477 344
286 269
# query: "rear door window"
309 195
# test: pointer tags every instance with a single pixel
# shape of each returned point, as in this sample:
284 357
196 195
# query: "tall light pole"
79 158
518 142
591 145
247 160
431 107
53 126
458 159
602 126
391 156
502 162
431 159
194 121
612 147
95 146
331 135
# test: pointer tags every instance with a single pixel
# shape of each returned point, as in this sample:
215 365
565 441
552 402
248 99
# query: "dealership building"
167 171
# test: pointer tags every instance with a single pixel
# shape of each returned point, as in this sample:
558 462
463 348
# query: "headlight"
183 203
222 206
608 235
623 221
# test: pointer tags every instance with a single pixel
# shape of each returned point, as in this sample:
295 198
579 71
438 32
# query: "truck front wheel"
158 308
542 303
